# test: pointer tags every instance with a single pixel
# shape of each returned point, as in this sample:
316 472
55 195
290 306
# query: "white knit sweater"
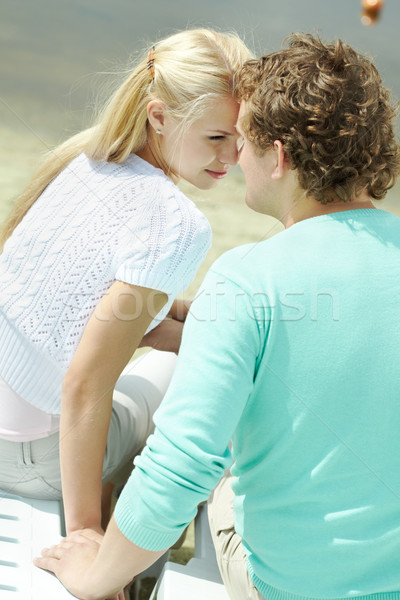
95 223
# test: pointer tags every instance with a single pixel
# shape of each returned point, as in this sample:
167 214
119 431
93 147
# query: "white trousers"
32 469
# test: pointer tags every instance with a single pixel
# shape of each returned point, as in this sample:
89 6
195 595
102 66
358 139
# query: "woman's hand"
179 309
94 568
166 336
70 561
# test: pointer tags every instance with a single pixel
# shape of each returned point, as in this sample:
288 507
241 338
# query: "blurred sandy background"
56 55
232 222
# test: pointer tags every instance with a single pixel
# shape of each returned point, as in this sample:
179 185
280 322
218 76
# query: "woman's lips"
216 174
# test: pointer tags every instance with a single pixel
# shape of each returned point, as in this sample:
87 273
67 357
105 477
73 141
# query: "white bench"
27 526
200 577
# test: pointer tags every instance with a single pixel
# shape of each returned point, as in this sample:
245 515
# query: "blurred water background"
56 55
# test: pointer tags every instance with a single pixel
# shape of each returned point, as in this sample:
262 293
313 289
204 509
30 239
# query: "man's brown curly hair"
327 105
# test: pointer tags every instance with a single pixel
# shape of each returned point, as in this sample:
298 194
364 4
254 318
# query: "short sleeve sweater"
96 222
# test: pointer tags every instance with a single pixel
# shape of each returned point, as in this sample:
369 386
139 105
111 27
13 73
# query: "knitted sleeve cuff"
155 279
139 533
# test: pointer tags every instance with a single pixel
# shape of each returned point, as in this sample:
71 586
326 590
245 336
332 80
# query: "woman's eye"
216 137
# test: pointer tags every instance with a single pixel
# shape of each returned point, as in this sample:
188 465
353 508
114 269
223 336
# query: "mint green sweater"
292 350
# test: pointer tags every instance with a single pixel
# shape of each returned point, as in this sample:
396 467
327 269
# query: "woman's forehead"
221 116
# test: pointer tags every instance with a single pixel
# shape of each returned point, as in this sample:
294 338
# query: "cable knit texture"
96 222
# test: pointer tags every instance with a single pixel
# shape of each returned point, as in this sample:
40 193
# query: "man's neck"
306 208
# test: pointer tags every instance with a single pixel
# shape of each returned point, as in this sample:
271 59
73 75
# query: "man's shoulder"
254 256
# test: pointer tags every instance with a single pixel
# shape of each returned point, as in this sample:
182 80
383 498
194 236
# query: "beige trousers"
230 553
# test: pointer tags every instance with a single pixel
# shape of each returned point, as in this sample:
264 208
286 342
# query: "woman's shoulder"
131 168
163 190
131 181
134 187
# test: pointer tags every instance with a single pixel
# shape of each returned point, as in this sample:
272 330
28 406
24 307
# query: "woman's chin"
205 183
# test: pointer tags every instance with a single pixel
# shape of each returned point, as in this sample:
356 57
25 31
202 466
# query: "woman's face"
204 152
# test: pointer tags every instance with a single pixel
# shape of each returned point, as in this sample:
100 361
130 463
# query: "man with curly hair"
291 351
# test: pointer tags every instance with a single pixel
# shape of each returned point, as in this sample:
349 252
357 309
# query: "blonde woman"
99 244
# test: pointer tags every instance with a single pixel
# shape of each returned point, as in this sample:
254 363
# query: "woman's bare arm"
110 338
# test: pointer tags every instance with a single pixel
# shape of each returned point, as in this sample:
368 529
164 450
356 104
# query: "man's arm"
93 571
189 452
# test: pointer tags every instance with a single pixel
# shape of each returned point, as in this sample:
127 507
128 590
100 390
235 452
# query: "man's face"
257 170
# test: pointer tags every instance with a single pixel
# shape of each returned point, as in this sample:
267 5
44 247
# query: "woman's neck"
147 155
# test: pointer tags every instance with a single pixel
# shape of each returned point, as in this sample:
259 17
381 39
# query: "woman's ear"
156 115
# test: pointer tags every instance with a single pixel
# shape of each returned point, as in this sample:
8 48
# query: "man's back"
316 448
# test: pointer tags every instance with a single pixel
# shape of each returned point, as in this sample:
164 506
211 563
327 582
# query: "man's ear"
280 164
156 114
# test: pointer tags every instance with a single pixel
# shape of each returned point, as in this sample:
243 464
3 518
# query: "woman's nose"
229 153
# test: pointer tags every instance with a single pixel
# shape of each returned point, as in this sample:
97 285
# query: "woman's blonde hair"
184 71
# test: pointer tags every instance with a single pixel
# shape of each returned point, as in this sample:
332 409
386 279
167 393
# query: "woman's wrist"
81 523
